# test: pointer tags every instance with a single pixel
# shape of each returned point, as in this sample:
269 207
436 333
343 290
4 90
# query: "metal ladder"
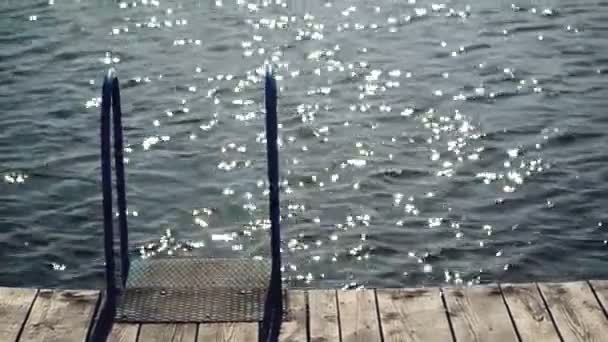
185 289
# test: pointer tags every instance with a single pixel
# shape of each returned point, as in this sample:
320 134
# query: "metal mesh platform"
194 290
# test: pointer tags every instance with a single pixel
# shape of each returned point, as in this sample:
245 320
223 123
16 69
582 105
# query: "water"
421 143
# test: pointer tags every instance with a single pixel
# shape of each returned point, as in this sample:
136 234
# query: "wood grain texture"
323 313
576 311
529 313
294 330
167 333
15 304
358 316
123 332
601 290
228 332
407 314
479 314
60 316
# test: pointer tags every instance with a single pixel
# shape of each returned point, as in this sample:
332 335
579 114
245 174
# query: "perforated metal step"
188 289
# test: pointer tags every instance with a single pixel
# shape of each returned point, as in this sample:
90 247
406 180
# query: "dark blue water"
421 143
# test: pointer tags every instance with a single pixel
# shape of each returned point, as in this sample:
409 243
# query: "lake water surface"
422 143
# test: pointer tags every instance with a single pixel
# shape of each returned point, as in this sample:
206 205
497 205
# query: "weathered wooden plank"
15 304
228 332
123 332
413 315
323 313
167 332
60 316
576 312
358 316
601 290
294 330
479 314
529 313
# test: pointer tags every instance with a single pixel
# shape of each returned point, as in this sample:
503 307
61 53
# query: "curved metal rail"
273 309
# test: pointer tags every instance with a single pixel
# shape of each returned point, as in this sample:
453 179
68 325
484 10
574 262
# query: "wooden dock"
535 312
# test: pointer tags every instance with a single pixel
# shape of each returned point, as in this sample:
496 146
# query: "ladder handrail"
110 104
273 309
121 198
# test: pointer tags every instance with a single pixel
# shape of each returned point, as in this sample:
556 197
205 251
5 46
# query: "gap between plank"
597 298
27 316
378 315
447 314
338 312
95 317
139 332
542 296
504 300
307 308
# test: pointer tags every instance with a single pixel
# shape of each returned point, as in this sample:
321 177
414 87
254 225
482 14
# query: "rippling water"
421 143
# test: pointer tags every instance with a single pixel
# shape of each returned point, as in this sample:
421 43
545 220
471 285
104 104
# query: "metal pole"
106 182
120 182
274 304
